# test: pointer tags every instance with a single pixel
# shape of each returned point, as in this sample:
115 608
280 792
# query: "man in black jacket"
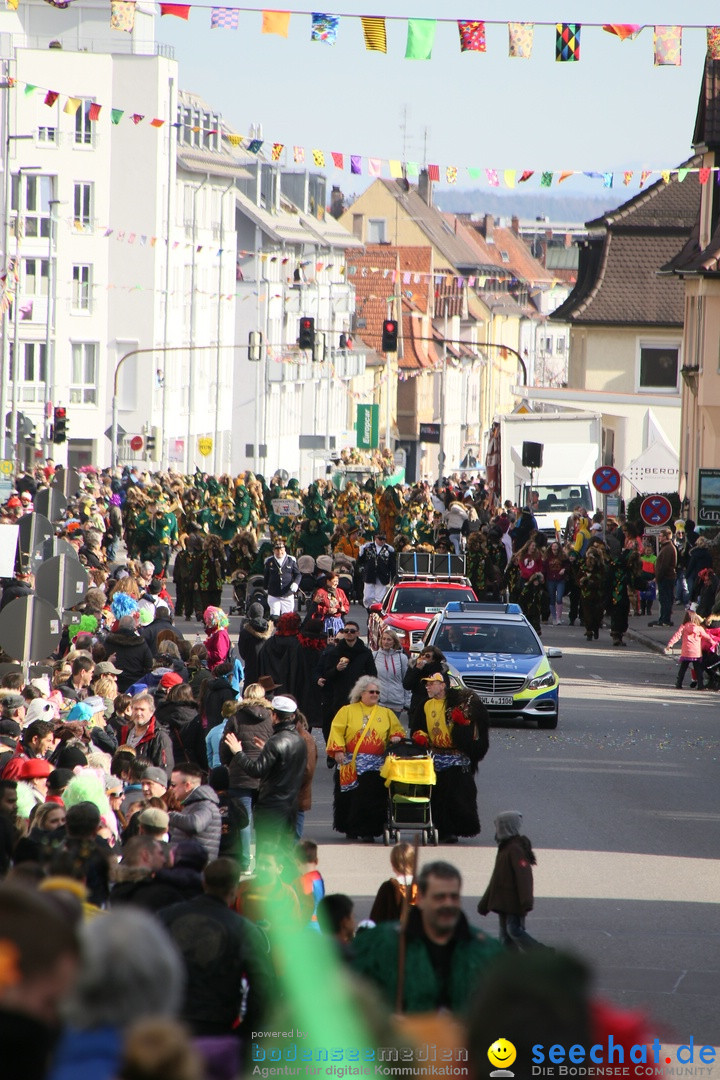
281 579
19 586
280 767
377 562
340 668
231 980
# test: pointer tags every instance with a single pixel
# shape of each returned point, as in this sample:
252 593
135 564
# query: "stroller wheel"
433 837
424 837
386 837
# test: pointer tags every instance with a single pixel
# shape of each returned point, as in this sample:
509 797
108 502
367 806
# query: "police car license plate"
496 699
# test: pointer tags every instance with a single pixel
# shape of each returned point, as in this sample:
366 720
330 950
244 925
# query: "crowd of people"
154 790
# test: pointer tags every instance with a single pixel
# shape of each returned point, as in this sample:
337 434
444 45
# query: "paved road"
621 805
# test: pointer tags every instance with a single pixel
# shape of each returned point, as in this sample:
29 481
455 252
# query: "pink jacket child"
217 642
692 636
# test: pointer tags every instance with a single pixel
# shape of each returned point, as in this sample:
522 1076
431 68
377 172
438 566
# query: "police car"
493 650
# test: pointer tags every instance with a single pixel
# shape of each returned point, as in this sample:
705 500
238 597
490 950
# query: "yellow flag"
276 22
666 176
395 169
375 34
72 105
12 5
509 177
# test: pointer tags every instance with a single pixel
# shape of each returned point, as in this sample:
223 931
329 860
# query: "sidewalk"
654 637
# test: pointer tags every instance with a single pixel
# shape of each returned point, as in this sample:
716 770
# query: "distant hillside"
575 208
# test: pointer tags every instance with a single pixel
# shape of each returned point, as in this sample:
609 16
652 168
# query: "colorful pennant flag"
434 173
72 105
567 42
94 111
492 177
546 179
299 154
318 158
12 5
137 118
681 174
277 149
668 46
665 176
713 42
451 174
122 15
412 168
375 34
156 122
627 177
608 179
527 173
703 175
472 35
224 18
324 28
180 11
648 172
520 39
356 164
276 22
116 115
420 39
375 166
254 146
396 169
565 176
29 87
509 177
625 31
338 160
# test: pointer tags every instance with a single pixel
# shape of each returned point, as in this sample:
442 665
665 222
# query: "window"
83 385
47 134
34 369
83 125
560 346
504 256
548 345
82 206
658 367
81 288
36 273
376 231
36 196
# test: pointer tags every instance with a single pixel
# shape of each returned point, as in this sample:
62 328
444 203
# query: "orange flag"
276 22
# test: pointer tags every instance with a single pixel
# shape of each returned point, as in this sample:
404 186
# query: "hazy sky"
612 110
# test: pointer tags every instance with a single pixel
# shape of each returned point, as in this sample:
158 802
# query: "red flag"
156 122
136 118
337 160
51 97
94 111
181 11
525 176
434 173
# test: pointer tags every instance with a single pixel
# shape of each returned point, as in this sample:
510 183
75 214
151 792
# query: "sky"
611 111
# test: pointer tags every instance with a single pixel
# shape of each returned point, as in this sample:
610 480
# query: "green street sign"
367 425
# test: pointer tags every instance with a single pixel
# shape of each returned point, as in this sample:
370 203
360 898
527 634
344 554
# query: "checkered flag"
224 18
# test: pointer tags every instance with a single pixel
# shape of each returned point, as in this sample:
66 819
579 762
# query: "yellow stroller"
409 775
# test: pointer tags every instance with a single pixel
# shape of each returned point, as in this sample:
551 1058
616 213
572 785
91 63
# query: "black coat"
342 681
278 579
248 722
131 654
413 681
14 590
217 692
182 722
162 621
281 658
280 767
250 641
377 566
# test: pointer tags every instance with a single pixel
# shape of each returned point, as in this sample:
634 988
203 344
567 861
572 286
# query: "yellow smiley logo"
502 1053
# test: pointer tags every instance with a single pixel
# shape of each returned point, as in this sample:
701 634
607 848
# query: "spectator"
145 736
336 917
36 741
82 674
129 651
8 823
391 895
198 816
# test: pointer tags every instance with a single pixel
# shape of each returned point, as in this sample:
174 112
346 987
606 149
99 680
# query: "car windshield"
427 601
485 637
552 498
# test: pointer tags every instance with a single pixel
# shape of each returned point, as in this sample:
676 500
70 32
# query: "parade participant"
456 728
623 575
280 657
217 641
339 668
431 661
331 603
281 578
445 958
184 575
591 579
210 574
377 564
358 741
391 663
349 543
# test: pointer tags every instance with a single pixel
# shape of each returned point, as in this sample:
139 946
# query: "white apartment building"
288 411
125 244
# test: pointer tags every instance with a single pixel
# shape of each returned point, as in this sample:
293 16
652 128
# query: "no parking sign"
656 510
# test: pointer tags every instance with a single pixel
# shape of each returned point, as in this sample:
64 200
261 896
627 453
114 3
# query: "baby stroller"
409 775
239 583
307 586
344 567
255 594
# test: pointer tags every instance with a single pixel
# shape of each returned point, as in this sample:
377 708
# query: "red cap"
170 679
34 768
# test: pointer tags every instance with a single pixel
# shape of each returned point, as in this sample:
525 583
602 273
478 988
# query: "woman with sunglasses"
359 738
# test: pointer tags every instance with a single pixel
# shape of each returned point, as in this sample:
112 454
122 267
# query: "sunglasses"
352 632
372 691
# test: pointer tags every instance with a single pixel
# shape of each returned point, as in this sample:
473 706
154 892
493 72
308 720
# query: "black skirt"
362 811
454 803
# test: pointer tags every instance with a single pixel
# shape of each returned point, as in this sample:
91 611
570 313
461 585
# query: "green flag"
420 39
29 88
116 115
474 174
546 179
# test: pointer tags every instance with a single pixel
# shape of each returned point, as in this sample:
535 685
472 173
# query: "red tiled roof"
521 263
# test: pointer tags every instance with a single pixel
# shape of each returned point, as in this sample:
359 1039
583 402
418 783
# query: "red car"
409 606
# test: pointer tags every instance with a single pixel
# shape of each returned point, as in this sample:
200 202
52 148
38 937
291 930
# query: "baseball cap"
437 677
171 678
107 668
13 701
35 767
156 775
284 704
154 818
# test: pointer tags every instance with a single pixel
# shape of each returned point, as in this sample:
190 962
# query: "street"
621 805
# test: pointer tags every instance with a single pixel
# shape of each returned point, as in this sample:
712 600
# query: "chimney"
568 239
337 203
425 187
515 224
488 230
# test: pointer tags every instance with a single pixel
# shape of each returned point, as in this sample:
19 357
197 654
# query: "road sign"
68 481
34 540
656 510
205 445
429 433
61 546
367 420
30 629
51 503
136 443
606 479
6 467
62 581
120 432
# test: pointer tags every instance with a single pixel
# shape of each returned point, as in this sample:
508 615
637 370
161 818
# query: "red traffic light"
390 336
60 412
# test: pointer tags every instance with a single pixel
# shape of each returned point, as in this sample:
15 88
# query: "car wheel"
549 723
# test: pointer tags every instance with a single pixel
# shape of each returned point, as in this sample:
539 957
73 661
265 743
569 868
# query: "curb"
647 641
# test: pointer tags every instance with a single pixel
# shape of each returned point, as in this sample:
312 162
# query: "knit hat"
156 775
154 818
171 678
324 563
70 756
12 702
59 779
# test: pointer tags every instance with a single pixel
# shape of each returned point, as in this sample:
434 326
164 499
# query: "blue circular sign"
606 479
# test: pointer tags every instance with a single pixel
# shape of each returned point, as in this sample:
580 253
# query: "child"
510 892
388 902
693 635
646 595
309 884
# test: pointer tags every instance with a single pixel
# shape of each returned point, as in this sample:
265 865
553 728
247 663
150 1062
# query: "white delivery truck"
571 451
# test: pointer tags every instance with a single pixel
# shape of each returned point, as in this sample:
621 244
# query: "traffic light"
389 335
151 444
306 340
59 424
255 346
